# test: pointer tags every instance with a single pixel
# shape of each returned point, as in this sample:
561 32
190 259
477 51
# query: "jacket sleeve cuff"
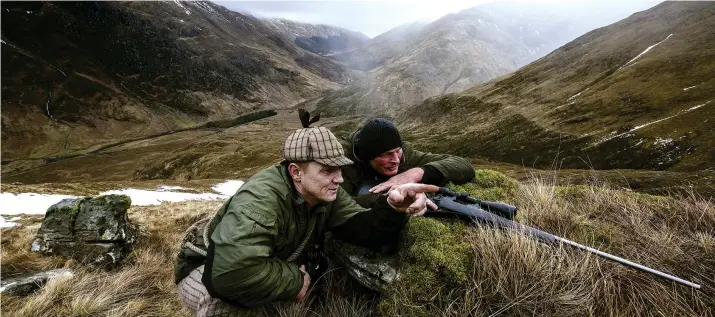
296 284
432 176
391 213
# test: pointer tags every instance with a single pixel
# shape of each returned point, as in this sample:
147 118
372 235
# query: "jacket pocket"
260 216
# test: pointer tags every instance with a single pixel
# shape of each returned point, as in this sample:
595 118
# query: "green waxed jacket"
440 169
257 230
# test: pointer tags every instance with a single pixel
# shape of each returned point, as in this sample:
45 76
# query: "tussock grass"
512 275
447 268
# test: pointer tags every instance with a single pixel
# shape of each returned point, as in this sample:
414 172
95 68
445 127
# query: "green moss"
489 185
126 200
71 209
435 259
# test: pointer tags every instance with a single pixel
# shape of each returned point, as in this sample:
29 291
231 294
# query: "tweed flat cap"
315 144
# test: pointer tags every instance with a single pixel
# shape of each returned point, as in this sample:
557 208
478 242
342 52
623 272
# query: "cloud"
369 17
376 17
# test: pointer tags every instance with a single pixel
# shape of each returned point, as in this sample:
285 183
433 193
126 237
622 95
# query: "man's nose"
338 179
395 158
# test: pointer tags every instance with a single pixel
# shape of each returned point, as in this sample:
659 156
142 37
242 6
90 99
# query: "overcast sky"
375 17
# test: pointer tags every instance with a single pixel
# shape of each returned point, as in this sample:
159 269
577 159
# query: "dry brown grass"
143 287
486 273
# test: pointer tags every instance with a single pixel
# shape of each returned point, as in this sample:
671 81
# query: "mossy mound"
432 262
489 185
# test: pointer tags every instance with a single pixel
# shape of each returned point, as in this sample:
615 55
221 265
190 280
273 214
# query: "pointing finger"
422 188
395 197
419 202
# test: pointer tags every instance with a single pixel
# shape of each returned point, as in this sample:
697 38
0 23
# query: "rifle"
501 215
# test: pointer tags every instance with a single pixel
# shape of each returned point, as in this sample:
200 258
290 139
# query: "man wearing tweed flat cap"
265 243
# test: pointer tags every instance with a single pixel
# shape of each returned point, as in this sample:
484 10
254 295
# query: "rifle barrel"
628 263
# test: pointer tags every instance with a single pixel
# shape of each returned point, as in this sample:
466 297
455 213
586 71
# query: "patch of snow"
142 197
6 223
3 288
182 6
37 204
47 105
576 95
662 142
698 106
691 87
613 135
228 188
28 203
28 12
6 43
646 51
169 188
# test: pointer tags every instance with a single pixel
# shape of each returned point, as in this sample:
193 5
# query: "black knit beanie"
374 138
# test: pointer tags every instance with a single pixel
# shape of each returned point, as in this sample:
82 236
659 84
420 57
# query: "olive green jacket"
440 169
258 229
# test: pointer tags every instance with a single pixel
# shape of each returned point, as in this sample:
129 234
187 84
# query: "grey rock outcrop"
25 285
95 231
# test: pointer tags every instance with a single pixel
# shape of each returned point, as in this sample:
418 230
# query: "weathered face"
388 162
317 182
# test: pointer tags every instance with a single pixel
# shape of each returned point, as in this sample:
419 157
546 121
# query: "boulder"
94 231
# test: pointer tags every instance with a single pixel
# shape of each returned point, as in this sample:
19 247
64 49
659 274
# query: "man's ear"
295 172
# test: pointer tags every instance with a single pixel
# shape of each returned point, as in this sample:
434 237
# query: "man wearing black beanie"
382 160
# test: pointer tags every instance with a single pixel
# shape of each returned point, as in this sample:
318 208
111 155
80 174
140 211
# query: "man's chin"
330 197
390 173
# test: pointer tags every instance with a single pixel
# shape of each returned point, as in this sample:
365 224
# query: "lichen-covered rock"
25 285
94 231
371 269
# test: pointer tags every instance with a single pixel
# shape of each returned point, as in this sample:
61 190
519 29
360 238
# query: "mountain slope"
463 49
377 51
77 74
319 39
639 93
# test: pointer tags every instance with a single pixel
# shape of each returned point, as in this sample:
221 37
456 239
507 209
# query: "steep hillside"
639 93
381 48
461 50
77 74
319 39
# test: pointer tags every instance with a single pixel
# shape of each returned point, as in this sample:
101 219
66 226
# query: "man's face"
320 182
388 162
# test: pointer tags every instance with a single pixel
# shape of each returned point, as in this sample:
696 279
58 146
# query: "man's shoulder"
269 183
